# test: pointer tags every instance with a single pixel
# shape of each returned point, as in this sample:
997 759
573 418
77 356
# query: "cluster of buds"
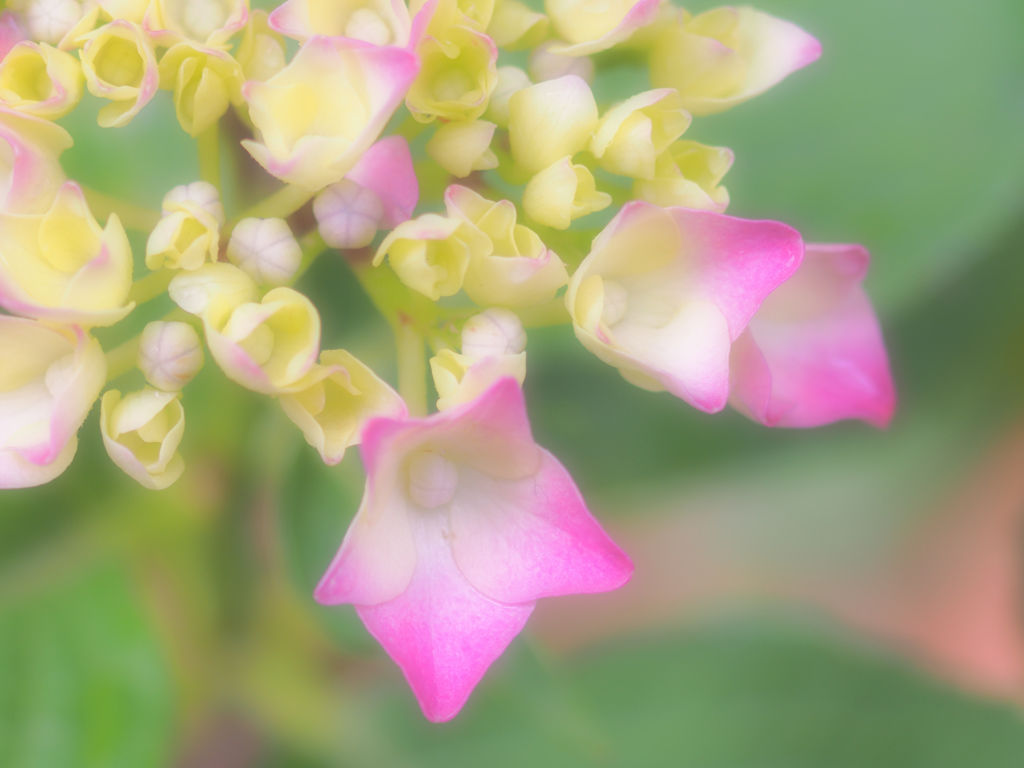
465 521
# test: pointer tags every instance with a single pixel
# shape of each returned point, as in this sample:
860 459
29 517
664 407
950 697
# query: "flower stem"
312 246
151 286
132 216
122 359
545 315
208 144
412 366
279 205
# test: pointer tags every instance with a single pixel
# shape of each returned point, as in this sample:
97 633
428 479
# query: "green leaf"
83 683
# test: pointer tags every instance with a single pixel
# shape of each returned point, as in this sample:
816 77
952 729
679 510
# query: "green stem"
412 366
545 315
132 216
122 359
208 144
312 246
151 286
279 205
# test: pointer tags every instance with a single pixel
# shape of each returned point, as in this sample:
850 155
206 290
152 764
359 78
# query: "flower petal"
814 352
441 631
520 540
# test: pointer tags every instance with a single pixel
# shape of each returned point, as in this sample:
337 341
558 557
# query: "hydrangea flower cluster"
355 106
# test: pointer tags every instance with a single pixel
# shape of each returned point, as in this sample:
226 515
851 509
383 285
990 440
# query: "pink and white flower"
813 353
30 172
49 380
666 291
464 524
317 116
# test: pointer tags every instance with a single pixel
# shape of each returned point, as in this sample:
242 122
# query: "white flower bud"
493 332
170 354
348 214
49 20
200 193
545 65
510 80
266 250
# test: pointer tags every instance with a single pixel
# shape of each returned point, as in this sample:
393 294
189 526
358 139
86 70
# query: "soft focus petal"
523 539
550 120
561 193
591 27
48 383
377 22
333 411
323 111
664 293
463 147
725 56
40 80
688 175
386 170
119 64
62 267
632 134
814 352
30 172
442 632
460 379
142 432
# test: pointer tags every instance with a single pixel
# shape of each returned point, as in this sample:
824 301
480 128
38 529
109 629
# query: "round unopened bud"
348 214
546 65
49 20
266 250
200 193
493 332
510 80
432 479
170 354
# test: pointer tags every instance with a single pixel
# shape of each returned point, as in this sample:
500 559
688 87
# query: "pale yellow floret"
208 22
261 52
64 265
726 56
457 75
186 238
590 26
632 134
333 409
142 432
205 82
561 193
431 253
463 147
474 14
40 80
515 269
550 120
459 378
510 80
688 175
515 26
119 64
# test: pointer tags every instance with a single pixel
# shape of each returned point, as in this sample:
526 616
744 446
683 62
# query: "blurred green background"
823 599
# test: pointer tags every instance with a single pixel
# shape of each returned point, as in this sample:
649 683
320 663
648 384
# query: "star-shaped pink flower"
464 524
